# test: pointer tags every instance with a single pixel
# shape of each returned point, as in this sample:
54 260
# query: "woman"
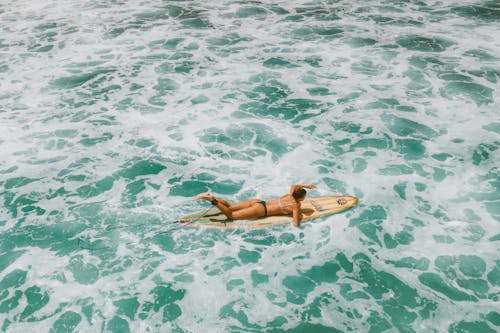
288 204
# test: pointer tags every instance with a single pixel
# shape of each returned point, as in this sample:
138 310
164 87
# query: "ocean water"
113 114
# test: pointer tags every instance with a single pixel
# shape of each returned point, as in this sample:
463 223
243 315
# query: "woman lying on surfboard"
288 204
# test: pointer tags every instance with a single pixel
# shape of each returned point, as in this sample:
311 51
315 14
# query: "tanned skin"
252 209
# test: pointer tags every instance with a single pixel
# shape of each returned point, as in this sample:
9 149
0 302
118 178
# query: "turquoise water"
113 114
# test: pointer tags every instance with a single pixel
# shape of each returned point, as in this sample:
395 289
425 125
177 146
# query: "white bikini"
282 206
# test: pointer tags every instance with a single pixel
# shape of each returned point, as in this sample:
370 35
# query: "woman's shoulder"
288 200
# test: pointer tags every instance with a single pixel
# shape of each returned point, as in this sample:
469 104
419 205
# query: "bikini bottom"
263 203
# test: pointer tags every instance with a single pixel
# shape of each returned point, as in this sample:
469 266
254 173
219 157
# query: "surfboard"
310 209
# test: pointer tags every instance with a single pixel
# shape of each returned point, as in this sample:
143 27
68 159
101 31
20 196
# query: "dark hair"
299 193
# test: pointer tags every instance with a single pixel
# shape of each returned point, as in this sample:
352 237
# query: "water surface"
113 114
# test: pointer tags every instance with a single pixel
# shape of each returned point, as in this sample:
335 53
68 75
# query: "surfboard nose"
348 201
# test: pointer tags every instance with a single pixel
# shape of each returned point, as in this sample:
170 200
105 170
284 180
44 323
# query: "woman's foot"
206 196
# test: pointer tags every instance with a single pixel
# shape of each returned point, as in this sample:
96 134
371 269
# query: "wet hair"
299 193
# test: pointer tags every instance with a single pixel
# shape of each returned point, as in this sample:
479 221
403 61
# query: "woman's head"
299 194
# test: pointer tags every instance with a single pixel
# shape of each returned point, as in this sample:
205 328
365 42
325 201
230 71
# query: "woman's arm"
296 215
295 187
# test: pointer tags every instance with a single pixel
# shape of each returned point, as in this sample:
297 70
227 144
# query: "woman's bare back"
282 206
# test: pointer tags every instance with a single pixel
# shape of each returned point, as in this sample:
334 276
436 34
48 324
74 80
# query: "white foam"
34 110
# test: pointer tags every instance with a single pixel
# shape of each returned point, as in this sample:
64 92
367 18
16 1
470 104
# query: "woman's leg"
242 210
209 197
238 205
253 211
222 204
232 207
